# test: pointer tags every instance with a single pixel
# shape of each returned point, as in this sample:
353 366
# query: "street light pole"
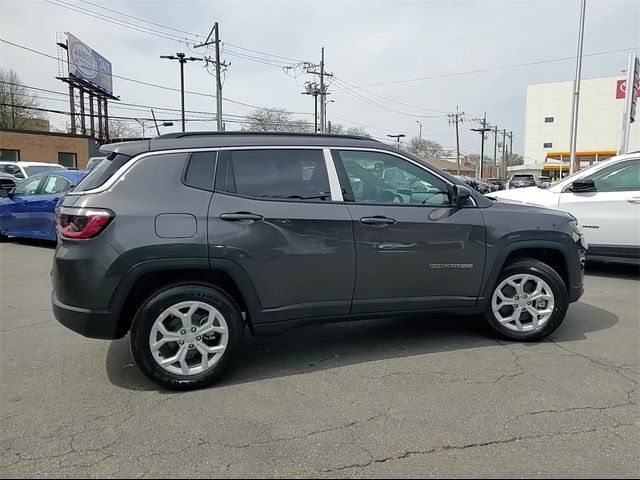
397 137
182 59
576 90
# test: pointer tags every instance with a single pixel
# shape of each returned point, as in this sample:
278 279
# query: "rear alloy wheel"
529 301
185 336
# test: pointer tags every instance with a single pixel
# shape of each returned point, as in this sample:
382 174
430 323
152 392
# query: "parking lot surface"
413 397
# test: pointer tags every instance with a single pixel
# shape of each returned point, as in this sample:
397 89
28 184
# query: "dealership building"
548 125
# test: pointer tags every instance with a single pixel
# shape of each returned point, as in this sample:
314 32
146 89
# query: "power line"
390 99
383 107
140 19
491 69
116 21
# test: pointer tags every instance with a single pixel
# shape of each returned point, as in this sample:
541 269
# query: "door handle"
377 220
633 200
239 216
54 200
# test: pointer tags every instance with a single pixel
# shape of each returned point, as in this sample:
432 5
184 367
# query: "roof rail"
266 134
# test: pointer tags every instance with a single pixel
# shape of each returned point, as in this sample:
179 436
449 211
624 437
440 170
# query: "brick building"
38 146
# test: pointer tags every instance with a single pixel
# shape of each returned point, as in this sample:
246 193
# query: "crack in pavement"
444 448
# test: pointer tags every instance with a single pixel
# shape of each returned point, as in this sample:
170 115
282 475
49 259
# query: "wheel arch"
145 278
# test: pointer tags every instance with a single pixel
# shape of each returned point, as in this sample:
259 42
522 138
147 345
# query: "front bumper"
101 324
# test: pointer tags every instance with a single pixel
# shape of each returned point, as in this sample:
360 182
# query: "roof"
32 164
239 139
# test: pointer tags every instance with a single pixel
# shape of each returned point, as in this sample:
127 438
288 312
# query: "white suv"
23 170
605 198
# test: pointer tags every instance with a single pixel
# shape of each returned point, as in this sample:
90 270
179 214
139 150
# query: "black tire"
158 303
551 277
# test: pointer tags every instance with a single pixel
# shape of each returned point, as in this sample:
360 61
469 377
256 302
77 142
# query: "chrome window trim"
331 170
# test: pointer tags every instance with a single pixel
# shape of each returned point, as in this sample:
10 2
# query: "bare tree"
425 148
122 129
274 120
17 102
358 131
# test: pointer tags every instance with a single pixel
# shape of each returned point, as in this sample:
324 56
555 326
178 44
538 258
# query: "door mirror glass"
461 196
581 186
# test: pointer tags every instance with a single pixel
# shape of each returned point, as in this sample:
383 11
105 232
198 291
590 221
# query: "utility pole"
495 146
504 154
576 90
320 90
397 137
182 59
155 122
482 132
216 41
457 118
420 137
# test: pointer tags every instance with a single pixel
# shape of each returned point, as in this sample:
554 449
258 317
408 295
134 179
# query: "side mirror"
4 193
583 186
461 196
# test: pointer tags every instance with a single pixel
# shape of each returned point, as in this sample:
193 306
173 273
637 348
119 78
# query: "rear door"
44 205
610 216
275 214
414 250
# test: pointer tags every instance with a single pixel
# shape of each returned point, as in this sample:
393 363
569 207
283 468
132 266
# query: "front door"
609 216
414 250
274 214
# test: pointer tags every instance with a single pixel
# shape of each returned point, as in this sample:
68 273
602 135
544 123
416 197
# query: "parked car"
522 180
93 163
497 183
605 198
185 239
26 169
476 184
28 210
7 181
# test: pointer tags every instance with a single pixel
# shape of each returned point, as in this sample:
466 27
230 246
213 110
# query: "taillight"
81 222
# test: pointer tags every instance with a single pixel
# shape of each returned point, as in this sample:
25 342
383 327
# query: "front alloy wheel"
529 301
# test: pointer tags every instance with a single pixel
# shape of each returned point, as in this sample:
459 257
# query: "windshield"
32 170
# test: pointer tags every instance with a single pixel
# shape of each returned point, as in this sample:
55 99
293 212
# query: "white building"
548 124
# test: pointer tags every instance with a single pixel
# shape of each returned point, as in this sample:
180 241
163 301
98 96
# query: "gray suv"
189 239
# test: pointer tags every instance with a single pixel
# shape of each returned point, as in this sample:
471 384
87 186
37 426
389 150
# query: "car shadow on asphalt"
625 271
321 347
34 242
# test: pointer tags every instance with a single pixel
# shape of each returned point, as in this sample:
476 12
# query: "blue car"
29 209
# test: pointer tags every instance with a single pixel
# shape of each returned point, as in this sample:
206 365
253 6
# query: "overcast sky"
366 43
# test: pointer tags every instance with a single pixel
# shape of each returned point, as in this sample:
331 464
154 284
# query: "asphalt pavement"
430 396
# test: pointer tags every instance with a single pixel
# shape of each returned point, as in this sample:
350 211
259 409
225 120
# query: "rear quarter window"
103 172
200 170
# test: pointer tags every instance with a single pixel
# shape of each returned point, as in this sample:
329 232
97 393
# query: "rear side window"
103 172
289 174
54 185
200 170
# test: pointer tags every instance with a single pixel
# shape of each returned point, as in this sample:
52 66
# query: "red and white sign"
621 89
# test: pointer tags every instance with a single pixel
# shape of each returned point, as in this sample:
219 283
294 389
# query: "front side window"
28 187
287 174
622 177
376 177
55 185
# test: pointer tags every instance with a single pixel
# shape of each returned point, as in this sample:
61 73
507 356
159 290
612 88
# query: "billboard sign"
88 65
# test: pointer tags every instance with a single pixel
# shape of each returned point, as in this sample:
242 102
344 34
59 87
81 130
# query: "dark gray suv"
188 239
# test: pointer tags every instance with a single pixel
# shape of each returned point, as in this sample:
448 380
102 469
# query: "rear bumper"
101 324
